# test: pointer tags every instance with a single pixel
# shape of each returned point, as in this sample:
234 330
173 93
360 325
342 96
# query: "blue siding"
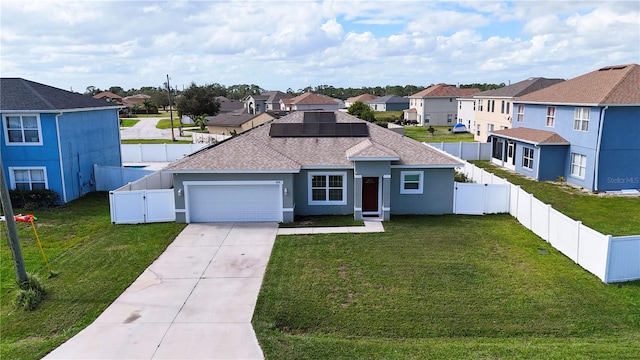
45 155
619 163
554 160
437 197
88 138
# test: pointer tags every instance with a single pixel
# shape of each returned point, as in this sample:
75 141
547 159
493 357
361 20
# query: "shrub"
30 294
461 177
31 199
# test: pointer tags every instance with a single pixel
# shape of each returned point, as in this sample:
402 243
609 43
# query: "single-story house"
313 163
235 122
364 98
389 103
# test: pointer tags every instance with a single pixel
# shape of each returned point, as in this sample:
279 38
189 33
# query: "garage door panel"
225 203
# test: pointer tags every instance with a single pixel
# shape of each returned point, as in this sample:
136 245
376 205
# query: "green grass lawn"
166 123
95 261
611 215
322 221
128 122
442 134
159 114
440 287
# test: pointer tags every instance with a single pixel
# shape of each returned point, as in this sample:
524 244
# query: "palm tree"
201 121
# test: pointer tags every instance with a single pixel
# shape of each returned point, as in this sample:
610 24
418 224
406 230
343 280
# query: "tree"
197 100
150 106
117 90
361 110
92 90
201 121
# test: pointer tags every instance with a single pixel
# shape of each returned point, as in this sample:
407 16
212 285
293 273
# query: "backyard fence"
140 153
612 259
465 150
112 177
205 138
146 200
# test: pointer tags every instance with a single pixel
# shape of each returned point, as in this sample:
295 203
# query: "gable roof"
231 119
532 136
229 105
108 95
363 98
444 90
17 94
520 88
390 99
273 96
255 150
611 85
312 99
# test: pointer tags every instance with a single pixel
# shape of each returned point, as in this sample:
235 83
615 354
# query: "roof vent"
619 67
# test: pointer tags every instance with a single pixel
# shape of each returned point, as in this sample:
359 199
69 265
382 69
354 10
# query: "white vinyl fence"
612 259
465 150
112 177
140 153
146 200
204 138
479 199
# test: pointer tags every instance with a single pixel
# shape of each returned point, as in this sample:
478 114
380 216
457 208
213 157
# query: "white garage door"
238 202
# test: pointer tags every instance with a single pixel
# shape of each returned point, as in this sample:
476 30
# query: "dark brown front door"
369 194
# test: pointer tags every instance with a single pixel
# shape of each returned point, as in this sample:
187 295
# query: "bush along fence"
612 259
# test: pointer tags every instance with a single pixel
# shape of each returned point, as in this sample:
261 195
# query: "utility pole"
173 137
12 231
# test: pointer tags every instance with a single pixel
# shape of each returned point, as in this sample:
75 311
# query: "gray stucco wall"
437 197
302 206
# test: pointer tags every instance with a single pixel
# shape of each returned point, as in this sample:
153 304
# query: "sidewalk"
369 226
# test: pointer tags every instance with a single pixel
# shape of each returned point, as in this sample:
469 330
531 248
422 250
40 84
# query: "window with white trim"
327 188
520 113
581 119
411 182
449 118
23 178
527 158
578 165
551 116
427 118
22 129
480 104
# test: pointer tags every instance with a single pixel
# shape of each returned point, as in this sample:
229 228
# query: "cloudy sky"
293 44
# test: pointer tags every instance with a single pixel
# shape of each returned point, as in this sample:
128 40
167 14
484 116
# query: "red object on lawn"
25 218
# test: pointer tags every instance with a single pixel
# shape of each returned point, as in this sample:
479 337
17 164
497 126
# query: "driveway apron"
194 302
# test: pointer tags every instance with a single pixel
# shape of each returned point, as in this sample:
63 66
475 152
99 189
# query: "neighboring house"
108 96
585 130
229 105
136 99
311 101
494 107
235 122
312 163
364 98
51 138
389 103
436 105
270 100
467 112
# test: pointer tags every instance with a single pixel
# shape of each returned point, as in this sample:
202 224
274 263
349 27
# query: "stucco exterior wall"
466 113
302 206
437 197
500 118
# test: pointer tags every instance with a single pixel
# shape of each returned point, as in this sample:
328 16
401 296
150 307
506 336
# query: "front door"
370 192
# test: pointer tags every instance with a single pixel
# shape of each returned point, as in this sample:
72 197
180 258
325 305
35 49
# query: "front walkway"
195 301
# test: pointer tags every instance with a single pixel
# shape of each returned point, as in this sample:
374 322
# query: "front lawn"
128 122
441 134
166 123
95 261
608 214
322 221
440 287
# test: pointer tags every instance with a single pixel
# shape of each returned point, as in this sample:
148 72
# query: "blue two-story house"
585 130
51 138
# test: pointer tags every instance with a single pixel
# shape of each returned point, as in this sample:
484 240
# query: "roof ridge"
36 93
622 79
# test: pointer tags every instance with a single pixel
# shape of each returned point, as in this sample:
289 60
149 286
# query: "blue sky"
294 44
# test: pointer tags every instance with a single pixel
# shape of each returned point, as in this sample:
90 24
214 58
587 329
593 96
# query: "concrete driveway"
194 302
146 129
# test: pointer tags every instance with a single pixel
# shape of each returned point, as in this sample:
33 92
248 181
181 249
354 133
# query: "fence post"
517 200
548 223
578 224
479 152
460 150
606 261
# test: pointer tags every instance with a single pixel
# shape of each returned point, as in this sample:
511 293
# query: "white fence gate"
479 199
146 200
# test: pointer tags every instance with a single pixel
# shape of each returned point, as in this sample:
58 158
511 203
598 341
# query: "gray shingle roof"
255 150
24 95
389 99
520 88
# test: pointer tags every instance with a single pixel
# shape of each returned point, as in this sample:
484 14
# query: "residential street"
146 129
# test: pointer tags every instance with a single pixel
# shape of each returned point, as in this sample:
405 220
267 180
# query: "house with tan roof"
436 105
493 108
311 101
364 98
108 96
232 123
313 163
585 130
